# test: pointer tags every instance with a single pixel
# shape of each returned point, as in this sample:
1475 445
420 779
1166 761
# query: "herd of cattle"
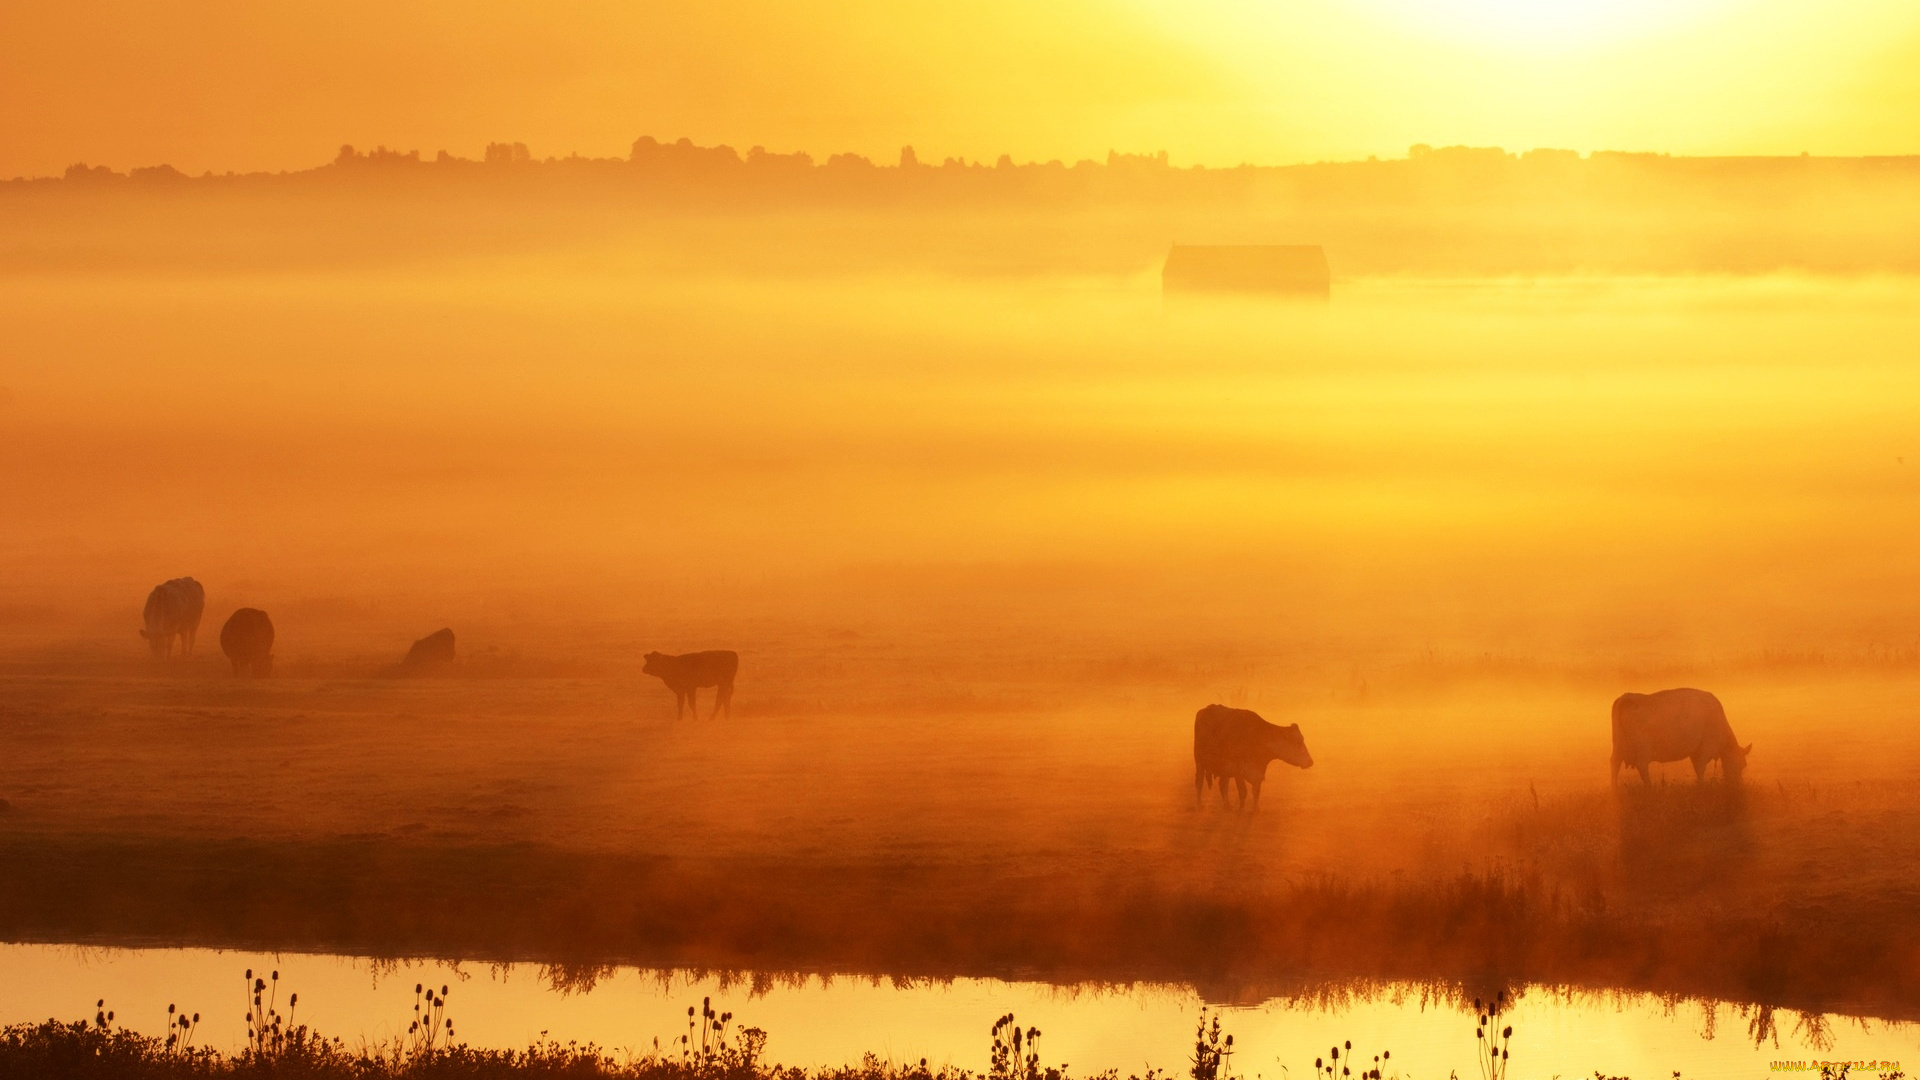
174 609
1235 746
1231 747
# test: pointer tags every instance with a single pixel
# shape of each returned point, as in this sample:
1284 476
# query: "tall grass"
711 1049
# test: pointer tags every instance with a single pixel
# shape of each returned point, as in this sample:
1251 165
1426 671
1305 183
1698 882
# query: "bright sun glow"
1557 24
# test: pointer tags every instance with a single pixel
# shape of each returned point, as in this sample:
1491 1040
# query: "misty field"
984 546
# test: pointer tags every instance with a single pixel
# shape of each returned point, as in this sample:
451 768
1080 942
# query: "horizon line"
517 153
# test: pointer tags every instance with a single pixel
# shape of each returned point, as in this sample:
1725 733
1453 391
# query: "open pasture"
984 547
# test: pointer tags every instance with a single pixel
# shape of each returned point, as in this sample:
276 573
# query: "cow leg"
1256 794
1646 774
679 705
693 701
1199 785
723 699
1226 801
1700 769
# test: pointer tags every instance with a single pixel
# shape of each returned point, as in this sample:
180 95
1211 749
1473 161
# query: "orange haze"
228 85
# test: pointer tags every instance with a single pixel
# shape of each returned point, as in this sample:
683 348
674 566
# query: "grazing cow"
1236 745
247 639
173 610
1675 725
432 653
686 674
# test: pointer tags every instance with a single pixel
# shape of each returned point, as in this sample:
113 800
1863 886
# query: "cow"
1675 725
247 639
1236 745
686 674
173 610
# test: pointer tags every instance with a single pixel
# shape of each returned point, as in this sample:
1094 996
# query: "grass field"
573 821
984 549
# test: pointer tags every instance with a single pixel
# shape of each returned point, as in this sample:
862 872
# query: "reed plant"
268 1032
1212 1053
1491 1038
431 1029
710 1048
180 1031
1015 1053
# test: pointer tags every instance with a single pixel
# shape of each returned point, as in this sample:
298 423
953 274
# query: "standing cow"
173 610
247 639
1236 745
686 674
1675 725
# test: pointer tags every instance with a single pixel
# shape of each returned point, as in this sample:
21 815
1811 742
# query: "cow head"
156 643
1287 744
1734 762
652 666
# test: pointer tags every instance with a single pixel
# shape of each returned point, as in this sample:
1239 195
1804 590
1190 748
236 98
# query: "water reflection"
819 1020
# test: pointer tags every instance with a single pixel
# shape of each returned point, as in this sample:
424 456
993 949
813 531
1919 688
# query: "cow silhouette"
1683 724
686 674
173 611
247 639
1235 746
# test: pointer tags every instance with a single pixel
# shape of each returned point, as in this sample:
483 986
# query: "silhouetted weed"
1211 1052
267 1031
1493 1055
1339 1061
705 1049
180 1031
710 1050
431 1029
1015 1054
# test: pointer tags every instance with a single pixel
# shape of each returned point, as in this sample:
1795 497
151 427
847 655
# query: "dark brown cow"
247 639
1236 745
686 674
173 610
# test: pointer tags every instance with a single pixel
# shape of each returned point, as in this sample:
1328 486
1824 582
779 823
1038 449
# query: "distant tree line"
1449 174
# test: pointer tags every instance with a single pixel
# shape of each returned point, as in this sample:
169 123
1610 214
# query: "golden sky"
251 84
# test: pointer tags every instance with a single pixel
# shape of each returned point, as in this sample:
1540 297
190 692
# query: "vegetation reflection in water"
596 1014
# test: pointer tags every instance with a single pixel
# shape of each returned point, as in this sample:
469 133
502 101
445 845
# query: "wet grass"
577 840
1482 929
